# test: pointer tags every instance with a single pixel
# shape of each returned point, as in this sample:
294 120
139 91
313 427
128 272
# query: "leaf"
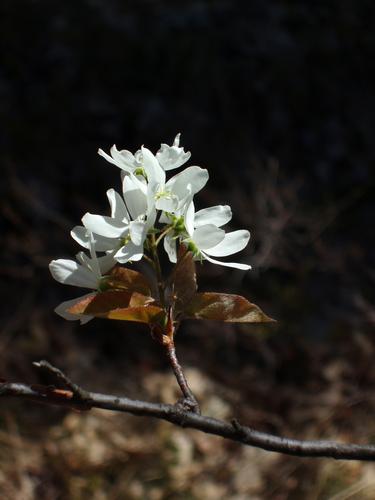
123 278
224 307
125 306
106 301
150 315
183 282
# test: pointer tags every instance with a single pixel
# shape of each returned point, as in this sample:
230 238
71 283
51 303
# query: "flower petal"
207 236
61 310
189 218
106 262
118 208
191 180
137 231
102 244
171 157
70 272
155 174
107 157
218 215
170 247
123 159
129 252
105 226
236 265
135 196
232 243
167 203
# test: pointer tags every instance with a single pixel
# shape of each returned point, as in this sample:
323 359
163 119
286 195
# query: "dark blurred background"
277 100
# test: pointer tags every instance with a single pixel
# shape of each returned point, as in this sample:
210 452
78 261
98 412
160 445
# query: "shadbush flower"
123 232
85 272
169 157
171 195
201 232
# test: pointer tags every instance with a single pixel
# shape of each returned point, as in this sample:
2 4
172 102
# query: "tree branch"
80 399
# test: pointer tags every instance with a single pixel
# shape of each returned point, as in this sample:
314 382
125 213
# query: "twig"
179 416
77 391
188 401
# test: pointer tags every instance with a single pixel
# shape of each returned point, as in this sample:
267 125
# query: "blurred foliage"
277 100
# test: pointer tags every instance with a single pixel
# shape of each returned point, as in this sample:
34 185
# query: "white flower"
171 195
123 232
171 157
88 272
201 232
124 159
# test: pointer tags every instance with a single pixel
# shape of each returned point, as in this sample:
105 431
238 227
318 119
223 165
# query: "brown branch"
80 399
188 401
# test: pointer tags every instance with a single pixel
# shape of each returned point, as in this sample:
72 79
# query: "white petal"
232 243
106 263
105 226
135 196
94 264
102 244
170 247
207 236
70 272
137 231
61 310
107 157
129 252
176 142
167 203
118 208
81 235
191 180
155 174
236 265
171 157
218 215
189 219
151 218
124 159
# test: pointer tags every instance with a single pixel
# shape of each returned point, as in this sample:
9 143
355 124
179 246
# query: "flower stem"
188 402
161 235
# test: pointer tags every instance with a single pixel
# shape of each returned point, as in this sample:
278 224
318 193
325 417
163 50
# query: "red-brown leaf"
183 283
104 302
125 306
224 307
123 278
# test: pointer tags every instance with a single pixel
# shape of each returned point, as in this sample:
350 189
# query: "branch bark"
79 399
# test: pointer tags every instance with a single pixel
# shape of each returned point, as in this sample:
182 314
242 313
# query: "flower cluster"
150 209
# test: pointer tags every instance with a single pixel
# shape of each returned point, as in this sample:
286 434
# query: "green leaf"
125 306
183 282
123 278
224 307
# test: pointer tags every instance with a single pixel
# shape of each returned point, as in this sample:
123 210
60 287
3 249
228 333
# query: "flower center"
168 195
